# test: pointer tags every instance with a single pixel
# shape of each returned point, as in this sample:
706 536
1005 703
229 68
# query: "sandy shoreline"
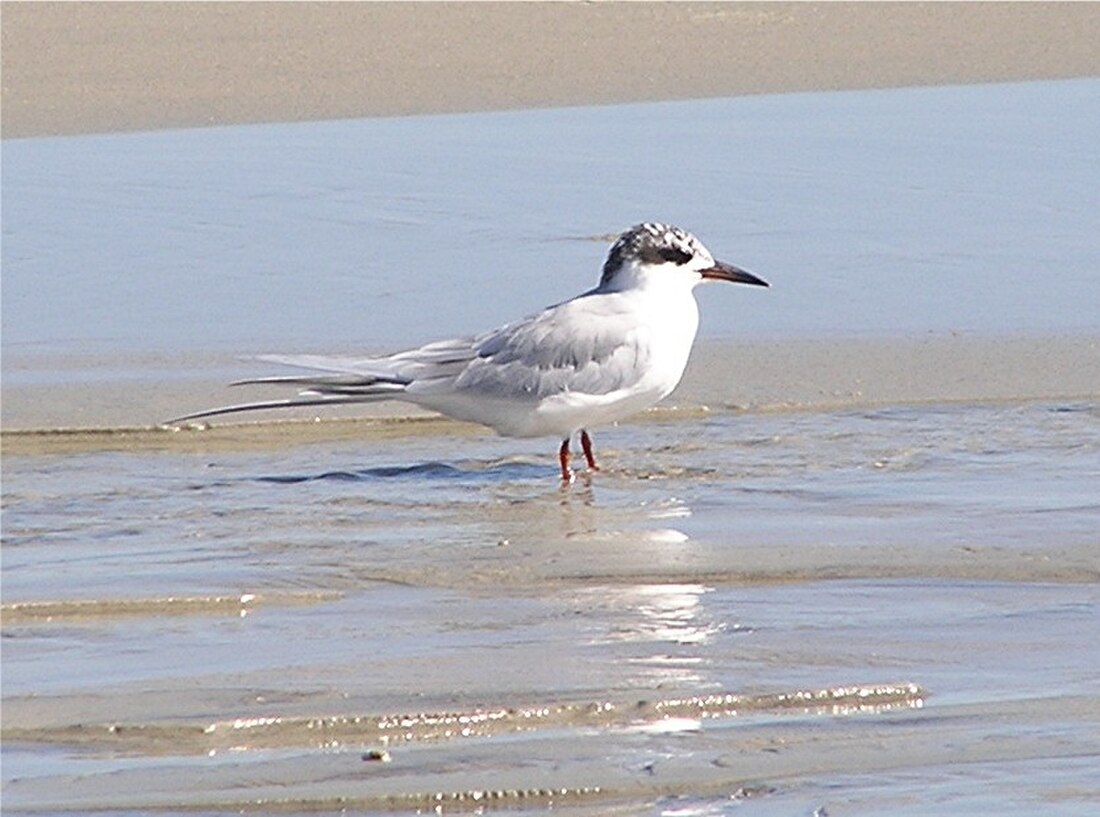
72 68
108 414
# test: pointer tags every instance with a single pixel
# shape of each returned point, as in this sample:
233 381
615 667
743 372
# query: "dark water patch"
1077 408
419 472
1087 507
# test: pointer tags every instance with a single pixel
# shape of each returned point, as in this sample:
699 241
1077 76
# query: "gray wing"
435 361
354 380
589 345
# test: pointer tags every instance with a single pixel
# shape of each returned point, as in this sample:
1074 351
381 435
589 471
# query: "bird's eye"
674 255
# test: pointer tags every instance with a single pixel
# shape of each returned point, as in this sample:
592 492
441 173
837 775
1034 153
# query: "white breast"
664 334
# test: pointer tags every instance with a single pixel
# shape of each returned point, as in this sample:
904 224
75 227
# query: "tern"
604 355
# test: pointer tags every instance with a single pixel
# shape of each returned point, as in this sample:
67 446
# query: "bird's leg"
586 444
563 458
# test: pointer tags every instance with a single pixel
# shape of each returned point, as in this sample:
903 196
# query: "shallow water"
1018 476
961 209
932 560
882 602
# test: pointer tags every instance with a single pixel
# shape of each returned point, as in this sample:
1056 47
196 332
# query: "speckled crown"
652 243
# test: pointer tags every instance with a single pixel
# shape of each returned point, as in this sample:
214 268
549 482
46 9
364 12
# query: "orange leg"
586 444
563 458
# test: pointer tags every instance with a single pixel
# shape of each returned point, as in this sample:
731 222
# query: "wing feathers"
591 345
290 402
334 381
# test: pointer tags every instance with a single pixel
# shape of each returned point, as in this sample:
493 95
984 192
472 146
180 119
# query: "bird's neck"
666 304
645 280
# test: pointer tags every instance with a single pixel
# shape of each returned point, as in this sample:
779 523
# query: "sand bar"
73 68
763 376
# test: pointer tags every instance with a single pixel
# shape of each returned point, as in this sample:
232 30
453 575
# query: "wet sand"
782 375
92 67
782 611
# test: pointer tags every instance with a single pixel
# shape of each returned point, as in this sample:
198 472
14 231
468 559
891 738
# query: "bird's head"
647 253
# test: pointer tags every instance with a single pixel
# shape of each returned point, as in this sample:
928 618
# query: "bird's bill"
721 271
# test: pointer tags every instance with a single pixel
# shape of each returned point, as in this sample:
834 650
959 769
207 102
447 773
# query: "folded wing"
586 346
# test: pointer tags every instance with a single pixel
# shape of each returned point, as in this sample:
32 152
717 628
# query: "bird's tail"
316 390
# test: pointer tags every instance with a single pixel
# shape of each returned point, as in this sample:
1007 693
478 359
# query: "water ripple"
424 471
